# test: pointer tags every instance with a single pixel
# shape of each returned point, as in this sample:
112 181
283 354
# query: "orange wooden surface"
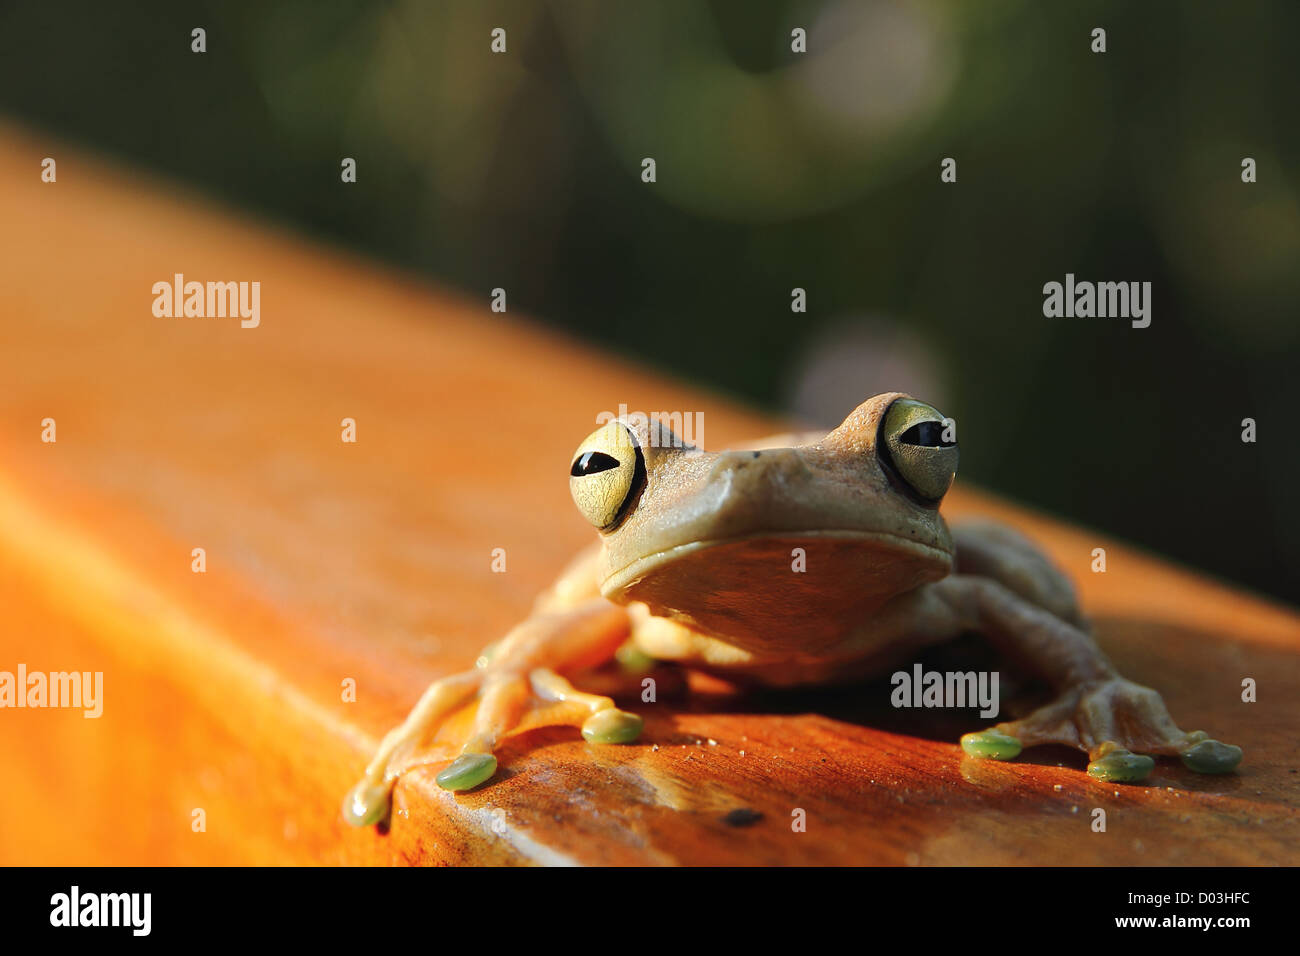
329 561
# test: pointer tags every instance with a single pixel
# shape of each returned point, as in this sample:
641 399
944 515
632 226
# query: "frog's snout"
753 489
753 469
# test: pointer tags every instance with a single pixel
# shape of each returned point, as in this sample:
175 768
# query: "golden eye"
607 474
916 442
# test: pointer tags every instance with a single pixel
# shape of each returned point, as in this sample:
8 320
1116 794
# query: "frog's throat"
615 581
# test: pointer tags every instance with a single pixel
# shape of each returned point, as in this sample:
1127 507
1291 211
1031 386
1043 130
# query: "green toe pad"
467 771
991 745
365 804
1211 756
612 726
633 660
1121 766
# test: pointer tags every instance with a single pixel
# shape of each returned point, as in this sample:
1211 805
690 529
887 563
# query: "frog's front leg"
518 672
1115 721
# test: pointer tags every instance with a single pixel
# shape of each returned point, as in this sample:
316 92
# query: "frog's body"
799 561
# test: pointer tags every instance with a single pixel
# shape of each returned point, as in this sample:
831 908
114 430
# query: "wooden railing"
227 734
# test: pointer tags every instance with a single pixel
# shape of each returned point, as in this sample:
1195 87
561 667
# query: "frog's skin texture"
695 566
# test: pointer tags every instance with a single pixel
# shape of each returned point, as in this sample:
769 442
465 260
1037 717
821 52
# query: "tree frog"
798 561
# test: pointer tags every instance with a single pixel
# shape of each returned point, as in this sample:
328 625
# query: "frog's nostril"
725 466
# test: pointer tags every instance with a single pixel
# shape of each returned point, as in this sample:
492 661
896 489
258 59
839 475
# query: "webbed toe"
1211 756
612 726
991 745
1121 766
467 771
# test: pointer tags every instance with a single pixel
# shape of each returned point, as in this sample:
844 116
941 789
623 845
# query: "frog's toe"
612 726
366 804
1117 765
499 711
1211 756
991 745
467 771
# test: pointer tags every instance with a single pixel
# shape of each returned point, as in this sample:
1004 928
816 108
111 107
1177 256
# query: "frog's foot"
504 698
501 706
515 687
1117 723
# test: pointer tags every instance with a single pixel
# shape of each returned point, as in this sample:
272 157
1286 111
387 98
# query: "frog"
813 559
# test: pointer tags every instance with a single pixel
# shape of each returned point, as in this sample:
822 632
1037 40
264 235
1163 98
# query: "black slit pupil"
591 462
927 435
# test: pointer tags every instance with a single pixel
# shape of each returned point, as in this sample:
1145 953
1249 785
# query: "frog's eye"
917 442
607 474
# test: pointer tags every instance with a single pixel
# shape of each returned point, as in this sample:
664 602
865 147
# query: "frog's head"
771 546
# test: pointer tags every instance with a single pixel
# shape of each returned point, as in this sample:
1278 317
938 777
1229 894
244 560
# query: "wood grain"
329 561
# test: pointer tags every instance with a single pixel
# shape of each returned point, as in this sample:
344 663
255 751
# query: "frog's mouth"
642 566
747 585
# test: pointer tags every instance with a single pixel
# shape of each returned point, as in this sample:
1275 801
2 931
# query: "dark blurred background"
778 170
